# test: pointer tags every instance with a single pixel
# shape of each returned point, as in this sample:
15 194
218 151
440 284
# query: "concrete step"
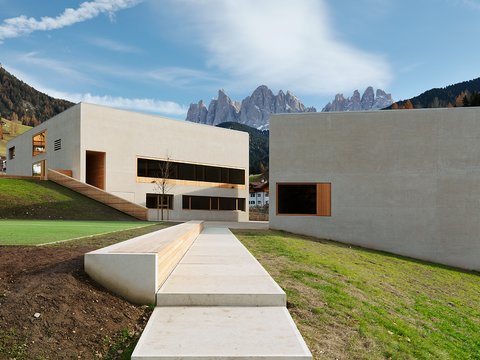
221 333
218 270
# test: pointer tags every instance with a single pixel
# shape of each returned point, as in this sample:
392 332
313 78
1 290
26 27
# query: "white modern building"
402 181
204 168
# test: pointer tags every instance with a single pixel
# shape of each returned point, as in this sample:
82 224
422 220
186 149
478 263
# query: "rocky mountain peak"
253 111
370 100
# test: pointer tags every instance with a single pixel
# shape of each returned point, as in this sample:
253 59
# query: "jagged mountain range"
253 111
370 100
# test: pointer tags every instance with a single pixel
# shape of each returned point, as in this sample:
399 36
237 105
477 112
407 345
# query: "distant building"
403 181
259 194
124 152
3 164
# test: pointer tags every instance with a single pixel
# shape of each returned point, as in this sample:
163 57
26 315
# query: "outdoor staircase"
125 206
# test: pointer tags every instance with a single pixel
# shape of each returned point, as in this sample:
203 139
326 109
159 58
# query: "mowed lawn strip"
34 232
353 303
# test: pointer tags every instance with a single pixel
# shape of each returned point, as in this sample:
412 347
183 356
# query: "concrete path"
218 270
220 303
174 333
247 225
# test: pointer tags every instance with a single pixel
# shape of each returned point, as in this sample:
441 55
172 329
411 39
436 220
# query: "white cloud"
22 25
113 45
147 105
60 67
281 43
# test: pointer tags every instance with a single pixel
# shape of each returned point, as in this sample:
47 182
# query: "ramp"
125 206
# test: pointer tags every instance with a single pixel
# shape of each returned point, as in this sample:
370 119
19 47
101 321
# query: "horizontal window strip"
186 171
194 202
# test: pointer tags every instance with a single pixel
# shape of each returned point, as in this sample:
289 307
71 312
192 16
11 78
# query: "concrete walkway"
220 303
246 225
218 270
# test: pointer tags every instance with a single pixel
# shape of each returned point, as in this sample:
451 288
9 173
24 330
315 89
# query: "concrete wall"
124 136
405 181
64 126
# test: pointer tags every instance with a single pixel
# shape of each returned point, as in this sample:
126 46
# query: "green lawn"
34 232
353 303
34 199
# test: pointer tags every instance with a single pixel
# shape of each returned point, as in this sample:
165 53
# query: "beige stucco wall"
405 181
125 135
64 126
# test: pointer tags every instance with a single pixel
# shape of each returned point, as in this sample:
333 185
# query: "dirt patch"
50 309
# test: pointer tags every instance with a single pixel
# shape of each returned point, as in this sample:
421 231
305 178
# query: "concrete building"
127 154
404 181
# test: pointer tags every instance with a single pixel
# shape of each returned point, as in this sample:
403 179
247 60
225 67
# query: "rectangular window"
57 144
154 201
187 171
11 153
193 202
38 168
39 143
304 199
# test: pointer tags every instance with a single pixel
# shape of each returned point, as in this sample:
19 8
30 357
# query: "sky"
158 56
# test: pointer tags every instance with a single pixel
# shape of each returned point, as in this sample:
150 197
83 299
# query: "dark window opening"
193 202
11 153
304 199
186 171
297 199
159 201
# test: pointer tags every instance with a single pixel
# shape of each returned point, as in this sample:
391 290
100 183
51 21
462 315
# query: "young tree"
162 186
1 128
14 124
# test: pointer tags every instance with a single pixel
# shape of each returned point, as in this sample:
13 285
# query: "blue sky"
160 55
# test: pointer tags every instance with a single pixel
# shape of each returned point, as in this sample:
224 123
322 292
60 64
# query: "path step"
218 270
221 333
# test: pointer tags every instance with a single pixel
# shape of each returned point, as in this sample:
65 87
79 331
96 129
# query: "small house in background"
259 194
203 170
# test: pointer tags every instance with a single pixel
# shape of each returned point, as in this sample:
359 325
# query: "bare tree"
1 128
14 124
162 185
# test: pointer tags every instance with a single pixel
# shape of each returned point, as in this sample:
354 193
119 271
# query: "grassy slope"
355 303
34 232
30 199
8 137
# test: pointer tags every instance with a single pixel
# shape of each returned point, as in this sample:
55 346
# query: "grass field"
7 137
34 199
352 303
35 232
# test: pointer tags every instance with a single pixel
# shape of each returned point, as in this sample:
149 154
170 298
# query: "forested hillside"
466 93
258 145
19 101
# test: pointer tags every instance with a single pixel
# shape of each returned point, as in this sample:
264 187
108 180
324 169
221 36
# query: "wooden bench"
136 268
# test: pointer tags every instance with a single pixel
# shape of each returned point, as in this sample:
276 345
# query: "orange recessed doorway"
95 169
